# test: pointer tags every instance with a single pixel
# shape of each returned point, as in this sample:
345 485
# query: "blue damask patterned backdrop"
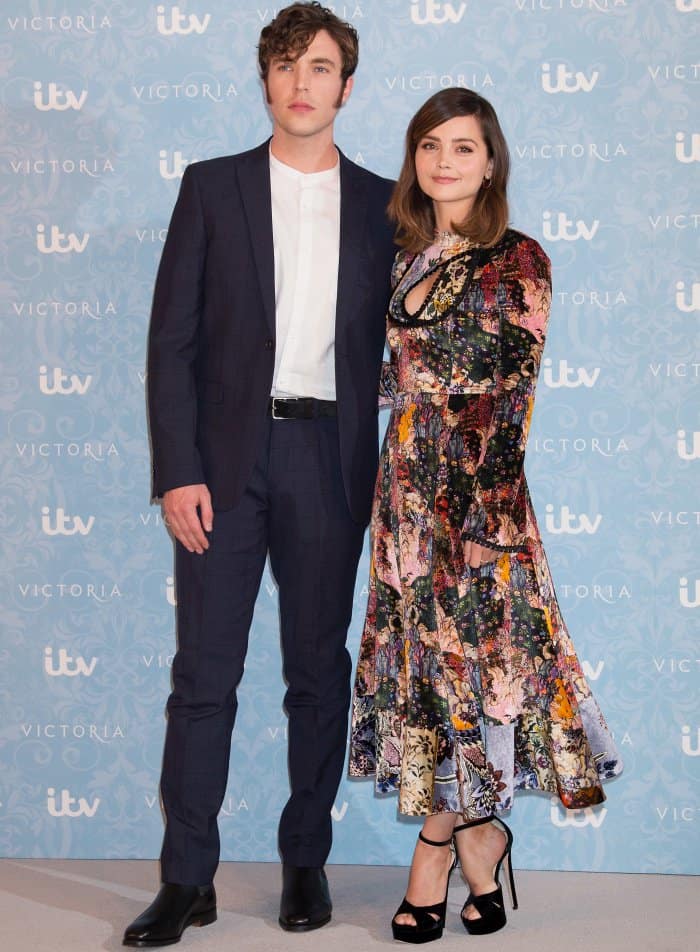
104 104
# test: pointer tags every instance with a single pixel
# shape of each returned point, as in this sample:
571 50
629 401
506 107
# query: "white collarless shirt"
306 239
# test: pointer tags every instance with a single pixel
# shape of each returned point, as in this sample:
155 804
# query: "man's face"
305 94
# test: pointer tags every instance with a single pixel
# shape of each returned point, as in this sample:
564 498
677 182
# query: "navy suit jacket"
211 349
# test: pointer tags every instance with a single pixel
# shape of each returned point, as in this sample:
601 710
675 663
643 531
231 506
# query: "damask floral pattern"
468 686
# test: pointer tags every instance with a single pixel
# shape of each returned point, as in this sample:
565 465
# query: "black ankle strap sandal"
490 906
430 920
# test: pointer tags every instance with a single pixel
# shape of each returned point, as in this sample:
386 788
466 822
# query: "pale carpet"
83 906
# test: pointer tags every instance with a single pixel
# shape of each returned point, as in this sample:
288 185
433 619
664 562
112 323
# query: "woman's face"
451 163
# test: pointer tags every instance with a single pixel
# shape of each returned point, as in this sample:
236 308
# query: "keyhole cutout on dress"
419 294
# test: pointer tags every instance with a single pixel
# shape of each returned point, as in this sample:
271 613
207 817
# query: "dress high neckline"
450 240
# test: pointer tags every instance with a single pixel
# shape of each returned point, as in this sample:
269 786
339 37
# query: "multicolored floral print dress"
468 687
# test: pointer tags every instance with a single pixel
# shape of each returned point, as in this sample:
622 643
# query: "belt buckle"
274 408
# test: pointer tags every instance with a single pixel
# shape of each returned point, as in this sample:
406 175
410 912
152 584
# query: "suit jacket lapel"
254 179
353 209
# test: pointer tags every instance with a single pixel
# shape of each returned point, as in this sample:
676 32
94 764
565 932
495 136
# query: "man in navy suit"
265 349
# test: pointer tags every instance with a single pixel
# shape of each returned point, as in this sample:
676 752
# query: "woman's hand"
476 555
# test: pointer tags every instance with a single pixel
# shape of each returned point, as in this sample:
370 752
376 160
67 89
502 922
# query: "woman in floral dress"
468 687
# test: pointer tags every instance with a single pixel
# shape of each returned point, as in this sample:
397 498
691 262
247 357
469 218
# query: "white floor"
83 906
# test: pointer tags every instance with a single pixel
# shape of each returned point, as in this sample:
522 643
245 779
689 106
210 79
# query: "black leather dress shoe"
306 902
174 908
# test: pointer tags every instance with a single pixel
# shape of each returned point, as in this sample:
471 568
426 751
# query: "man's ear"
347 90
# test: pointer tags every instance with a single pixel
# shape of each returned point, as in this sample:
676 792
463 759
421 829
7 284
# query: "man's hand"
477 555
180 508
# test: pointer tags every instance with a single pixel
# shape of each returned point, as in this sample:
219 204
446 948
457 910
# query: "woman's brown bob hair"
412 210
293 29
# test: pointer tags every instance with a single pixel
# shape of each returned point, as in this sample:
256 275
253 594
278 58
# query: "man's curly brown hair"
293 29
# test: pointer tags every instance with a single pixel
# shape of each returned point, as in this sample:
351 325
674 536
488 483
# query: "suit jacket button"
269 344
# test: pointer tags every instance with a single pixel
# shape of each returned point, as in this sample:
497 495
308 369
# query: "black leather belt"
300 408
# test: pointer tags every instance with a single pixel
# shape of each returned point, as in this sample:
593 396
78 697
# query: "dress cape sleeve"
497 515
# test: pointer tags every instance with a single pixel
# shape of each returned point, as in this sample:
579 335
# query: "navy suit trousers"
295 509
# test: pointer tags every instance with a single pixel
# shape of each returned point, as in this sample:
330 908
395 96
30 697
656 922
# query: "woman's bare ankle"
431 865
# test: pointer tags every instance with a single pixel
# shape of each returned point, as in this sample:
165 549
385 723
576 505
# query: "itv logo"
431 11
56 99
182 23
568 376
687 6
69 806
170 595
578 819
563 228
59 243
174 167
57 382
683 154
63 524
338 813
592 673
569 523
67 666
689 748
685 450
684 303
565 81
684 596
